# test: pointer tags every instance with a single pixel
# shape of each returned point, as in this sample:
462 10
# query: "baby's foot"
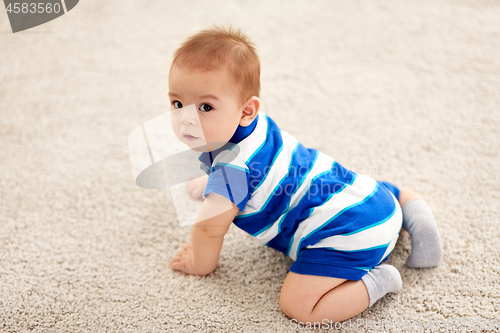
381 280
426 248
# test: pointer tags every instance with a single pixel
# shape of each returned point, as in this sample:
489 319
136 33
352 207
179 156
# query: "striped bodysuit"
328 219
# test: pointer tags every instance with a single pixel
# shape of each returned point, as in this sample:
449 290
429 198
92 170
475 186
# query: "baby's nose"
189 115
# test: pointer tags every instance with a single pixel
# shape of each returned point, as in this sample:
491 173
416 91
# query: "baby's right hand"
196 187
183 260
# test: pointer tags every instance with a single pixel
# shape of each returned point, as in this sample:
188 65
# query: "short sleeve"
229 177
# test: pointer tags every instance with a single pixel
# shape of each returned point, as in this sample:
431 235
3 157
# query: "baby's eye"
206 107
177 104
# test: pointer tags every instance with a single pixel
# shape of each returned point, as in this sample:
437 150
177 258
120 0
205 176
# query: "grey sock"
426 248
381 280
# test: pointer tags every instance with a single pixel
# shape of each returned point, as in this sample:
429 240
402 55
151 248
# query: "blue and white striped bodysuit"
329 220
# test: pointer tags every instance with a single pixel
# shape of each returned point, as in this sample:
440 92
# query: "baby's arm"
201 257
196 187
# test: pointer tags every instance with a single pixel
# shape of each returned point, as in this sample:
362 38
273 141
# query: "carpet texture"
403 91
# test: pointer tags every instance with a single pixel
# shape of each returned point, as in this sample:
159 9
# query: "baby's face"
217 108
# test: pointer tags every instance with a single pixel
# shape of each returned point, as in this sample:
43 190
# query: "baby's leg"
418 220
311 298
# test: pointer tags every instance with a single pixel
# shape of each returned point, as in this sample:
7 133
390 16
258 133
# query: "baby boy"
338 226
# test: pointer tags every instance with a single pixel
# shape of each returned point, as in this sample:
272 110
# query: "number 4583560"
33 8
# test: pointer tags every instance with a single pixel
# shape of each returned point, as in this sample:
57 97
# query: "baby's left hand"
183 260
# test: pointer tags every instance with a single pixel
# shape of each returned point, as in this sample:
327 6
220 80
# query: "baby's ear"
250 111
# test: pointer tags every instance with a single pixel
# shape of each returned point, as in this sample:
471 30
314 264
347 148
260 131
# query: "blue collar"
241 133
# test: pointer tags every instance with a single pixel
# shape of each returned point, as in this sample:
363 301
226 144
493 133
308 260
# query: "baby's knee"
286 302
293 307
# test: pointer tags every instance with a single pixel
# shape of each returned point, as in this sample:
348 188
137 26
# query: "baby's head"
218 71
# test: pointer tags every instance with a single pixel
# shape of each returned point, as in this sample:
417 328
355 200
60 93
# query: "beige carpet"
404 91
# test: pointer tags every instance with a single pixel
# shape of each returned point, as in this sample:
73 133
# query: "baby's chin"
205 148
201 149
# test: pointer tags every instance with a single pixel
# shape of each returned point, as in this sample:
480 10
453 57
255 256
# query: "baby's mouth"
190 137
